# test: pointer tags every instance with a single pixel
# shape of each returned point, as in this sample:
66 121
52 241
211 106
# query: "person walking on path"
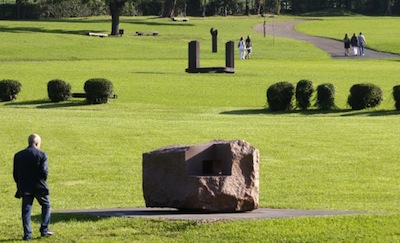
30 174
248 47
361 43
242 48
346 41
354 44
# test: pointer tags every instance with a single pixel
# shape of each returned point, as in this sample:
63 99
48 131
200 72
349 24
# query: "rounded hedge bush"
280 96
304 90
9 89
396 96
364 95
58 90
325 96
98 90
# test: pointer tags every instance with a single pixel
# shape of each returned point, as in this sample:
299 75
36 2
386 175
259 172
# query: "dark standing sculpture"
194 59
194 55
230 55
214 34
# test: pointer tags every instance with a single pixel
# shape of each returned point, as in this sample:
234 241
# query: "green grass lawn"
339 160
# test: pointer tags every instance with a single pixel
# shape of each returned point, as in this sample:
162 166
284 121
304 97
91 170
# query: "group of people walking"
357 43
244 48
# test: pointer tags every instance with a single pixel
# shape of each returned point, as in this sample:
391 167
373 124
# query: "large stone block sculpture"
219 176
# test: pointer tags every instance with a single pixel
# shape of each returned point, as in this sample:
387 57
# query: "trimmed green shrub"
304 90
364 96
9 89
396 96
280 96
98 90
325 97
58 90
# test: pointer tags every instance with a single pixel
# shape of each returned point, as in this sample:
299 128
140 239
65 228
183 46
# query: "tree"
396 7
204 7
257 6
389 7
274 6
169 7
349 4
193 8
116 7
247 7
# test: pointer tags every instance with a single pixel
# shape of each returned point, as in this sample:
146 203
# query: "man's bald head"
34 140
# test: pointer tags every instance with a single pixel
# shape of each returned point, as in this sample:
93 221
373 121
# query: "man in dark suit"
30 173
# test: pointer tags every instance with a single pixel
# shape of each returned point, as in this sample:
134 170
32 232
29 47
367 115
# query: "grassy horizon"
338 160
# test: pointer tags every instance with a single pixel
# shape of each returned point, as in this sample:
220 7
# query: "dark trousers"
27 202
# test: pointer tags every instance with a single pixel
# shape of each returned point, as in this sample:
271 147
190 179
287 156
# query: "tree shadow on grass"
8 29
124 20
340 112
46 104
172 23
42 30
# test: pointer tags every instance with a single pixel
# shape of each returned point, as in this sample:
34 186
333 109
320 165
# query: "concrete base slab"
174 214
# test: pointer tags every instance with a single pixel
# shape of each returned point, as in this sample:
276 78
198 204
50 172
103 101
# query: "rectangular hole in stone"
208 160
212 167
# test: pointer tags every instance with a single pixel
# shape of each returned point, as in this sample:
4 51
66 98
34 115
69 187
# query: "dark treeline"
368 7
22 9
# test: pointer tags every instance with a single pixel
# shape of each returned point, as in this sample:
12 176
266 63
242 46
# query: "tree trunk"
349 4
115 10
247 7
277 6
258 6
389 7
204 8
225 7
115 23
169 7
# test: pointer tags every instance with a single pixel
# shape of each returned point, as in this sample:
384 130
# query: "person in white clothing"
361 43
242 48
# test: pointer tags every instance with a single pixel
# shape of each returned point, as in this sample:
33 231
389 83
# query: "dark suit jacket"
30 172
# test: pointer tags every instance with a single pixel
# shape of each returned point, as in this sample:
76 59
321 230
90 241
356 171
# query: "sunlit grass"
339 160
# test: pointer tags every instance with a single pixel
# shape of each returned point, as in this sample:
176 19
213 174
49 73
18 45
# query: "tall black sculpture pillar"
194 55
230 55
214 34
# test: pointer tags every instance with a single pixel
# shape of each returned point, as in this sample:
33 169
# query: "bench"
180 19
98 34
151 33
83 95
78 95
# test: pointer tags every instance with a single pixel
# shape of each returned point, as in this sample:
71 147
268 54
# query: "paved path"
169 213
334 47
